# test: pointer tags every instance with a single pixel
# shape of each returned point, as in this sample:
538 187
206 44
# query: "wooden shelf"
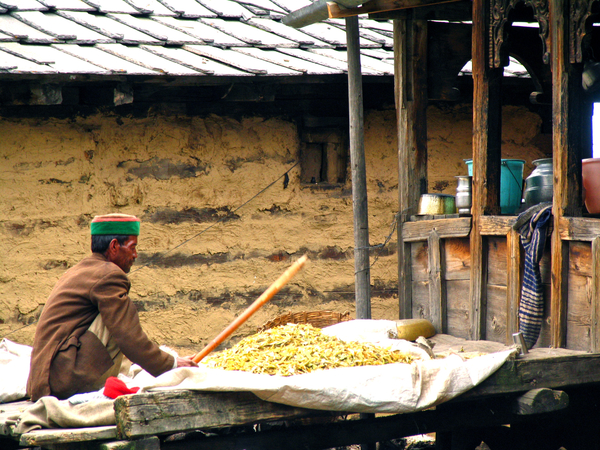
579 228
445 228
496 225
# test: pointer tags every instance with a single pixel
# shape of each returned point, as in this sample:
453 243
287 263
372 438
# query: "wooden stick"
260 301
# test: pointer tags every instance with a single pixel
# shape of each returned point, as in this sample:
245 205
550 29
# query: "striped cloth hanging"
532 225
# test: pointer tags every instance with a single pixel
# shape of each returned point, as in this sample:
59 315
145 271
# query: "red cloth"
114 387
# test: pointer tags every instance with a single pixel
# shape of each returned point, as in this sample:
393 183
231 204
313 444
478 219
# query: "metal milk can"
463 194
539 185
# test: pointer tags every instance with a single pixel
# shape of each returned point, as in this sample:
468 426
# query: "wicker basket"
318 319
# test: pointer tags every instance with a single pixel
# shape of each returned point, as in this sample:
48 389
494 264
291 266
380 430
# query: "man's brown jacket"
66 358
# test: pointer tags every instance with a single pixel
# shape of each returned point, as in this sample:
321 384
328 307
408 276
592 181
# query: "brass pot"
435 204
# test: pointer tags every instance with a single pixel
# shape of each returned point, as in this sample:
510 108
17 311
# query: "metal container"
463 194
539 184
434 204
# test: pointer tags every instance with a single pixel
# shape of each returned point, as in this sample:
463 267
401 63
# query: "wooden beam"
410 61
578 228
123 94
540 368
538 401
149 443
379 6
486 159
496 225
176 411
445 228
49 437
45 94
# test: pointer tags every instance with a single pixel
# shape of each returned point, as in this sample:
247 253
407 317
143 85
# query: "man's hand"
186 362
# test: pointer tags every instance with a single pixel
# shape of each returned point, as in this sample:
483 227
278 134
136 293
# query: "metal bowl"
435 204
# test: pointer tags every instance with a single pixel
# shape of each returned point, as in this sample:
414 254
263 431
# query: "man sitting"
89 322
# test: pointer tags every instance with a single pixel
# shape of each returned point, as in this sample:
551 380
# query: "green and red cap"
122 224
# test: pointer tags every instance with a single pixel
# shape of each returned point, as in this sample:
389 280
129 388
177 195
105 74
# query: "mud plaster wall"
203 258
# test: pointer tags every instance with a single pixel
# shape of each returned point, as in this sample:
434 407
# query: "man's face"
125 254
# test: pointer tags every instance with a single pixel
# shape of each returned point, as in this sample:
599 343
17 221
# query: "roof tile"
181 38
188 9
12 26
23 5
240 61
61 28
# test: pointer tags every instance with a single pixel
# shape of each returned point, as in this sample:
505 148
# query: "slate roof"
165 38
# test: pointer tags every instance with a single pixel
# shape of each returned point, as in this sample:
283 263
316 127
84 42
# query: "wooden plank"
496 318
419 259
540 368
446 228
595 294
496 260
514 262
496 225
457 259
342 433
578 312
46 437
458 308
437 287
580 258
578 228
420 300
175 411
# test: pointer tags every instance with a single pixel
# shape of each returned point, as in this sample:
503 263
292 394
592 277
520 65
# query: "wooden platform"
241 420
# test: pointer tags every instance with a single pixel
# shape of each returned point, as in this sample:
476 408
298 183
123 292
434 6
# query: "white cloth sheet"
391 388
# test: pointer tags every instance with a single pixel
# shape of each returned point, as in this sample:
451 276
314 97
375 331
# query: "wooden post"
437 283
567 102
362 274
513 283
486 158
595 313
410 60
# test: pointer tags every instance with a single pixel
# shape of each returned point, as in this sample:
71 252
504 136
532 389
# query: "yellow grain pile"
294 349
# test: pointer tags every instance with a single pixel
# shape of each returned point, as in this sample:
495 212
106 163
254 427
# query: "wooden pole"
258 303
362 274
362 271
